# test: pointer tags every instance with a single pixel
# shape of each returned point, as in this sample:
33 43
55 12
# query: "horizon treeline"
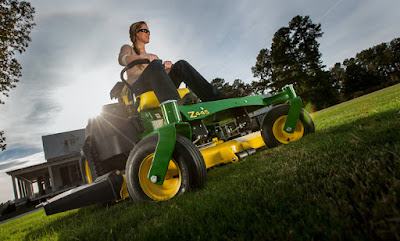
294 58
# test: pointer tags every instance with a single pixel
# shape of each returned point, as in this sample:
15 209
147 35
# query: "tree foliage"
237 89
372 69
16 18
2 140
357 78
383 61
16 23
295 59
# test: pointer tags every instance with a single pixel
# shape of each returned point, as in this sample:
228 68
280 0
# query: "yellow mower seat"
148 100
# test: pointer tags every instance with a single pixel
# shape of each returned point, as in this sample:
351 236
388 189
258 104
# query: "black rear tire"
272 126
96 166
186 170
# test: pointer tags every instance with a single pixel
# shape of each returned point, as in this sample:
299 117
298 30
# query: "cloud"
16 153
63 48
8 165
42 111
355 26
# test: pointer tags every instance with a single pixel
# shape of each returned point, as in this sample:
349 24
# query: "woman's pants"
155 78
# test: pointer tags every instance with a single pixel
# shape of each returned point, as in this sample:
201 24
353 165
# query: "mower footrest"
104 189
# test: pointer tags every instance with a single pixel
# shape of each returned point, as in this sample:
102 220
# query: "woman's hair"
134 28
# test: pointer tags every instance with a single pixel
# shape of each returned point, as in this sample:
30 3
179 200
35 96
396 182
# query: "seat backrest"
148 100
126 96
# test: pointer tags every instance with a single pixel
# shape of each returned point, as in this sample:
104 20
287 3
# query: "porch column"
21 194
32 191
53 187
24 188
40 185
47 183
14 188
29 189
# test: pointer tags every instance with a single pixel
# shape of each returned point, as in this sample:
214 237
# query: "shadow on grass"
77 224
338 183
56 226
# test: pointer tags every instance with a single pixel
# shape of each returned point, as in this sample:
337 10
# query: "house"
59 173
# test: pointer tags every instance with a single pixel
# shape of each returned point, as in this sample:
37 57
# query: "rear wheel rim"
171 185
284 137
87 172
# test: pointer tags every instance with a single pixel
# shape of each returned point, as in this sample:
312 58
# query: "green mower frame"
174 125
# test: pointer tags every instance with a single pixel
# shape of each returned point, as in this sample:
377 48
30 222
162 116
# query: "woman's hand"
150 57
167 64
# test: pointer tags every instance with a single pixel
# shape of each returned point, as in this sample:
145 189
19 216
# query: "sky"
71 64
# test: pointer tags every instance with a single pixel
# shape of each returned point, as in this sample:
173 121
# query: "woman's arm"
127 55
134 57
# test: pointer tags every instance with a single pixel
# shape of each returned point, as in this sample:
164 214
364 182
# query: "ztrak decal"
195 114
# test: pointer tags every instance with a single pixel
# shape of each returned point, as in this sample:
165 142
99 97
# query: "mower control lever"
130 65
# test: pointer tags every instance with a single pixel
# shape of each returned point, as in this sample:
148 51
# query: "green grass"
340 183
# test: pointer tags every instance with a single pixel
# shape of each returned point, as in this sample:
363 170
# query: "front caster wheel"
186 170
274 120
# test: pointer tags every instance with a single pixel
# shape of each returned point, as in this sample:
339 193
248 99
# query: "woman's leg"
154 78
182 71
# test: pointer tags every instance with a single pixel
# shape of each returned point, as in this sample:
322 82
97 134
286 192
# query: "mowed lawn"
340 183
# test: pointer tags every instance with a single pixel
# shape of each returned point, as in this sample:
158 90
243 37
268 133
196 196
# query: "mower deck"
112 186
221 152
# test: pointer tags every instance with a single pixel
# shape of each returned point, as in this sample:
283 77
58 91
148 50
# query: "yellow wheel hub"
87 172
284 137
171 185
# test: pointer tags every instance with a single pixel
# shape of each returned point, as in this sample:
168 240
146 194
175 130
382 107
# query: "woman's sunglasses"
144 30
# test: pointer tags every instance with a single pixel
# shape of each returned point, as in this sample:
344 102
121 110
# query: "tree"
372 69
395 60
237 89
295 59
241 89
223 86
262 70
338 74
383 62
16 18
2 140
358 79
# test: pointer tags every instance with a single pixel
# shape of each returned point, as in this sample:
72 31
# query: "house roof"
63 144
30 172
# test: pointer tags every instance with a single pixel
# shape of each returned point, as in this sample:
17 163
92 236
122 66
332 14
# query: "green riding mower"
145 150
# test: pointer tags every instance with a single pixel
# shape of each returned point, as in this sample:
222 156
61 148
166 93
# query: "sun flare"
81 100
